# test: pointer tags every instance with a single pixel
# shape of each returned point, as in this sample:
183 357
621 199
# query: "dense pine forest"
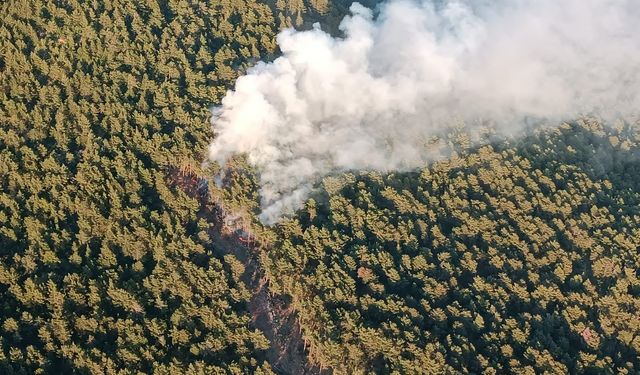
120 255
505 259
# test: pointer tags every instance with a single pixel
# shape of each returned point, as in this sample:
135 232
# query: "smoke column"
371 98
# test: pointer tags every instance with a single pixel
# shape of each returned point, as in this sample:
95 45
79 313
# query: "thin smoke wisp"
372 97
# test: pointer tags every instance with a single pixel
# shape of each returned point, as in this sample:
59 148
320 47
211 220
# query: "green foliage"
106 266
504 260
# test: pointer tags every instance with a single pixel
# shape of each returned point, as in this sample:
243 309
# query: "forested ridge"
515 257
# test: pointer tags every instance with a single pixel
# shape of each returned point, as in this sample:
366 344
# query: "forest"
119 254
511 258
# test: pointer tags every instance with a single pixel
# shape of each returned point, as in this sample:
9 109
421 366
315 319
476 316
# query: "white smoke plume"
371 98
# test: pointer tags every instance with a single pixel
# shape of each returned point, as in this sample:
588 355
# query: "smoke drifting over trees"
372 98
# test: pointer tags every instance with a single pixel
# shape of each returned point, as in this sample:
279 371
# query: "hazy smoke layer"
371 99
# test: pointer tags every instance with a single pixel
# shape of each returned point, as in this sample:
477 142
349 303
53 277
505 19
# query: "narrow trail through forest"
270 314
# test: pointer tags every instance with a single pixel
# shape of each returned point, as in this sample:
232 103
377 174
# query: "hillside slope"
507 259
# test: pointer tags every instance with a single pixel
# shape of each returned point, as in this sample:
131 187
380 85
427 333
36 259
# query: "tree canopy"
106 266
519 256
